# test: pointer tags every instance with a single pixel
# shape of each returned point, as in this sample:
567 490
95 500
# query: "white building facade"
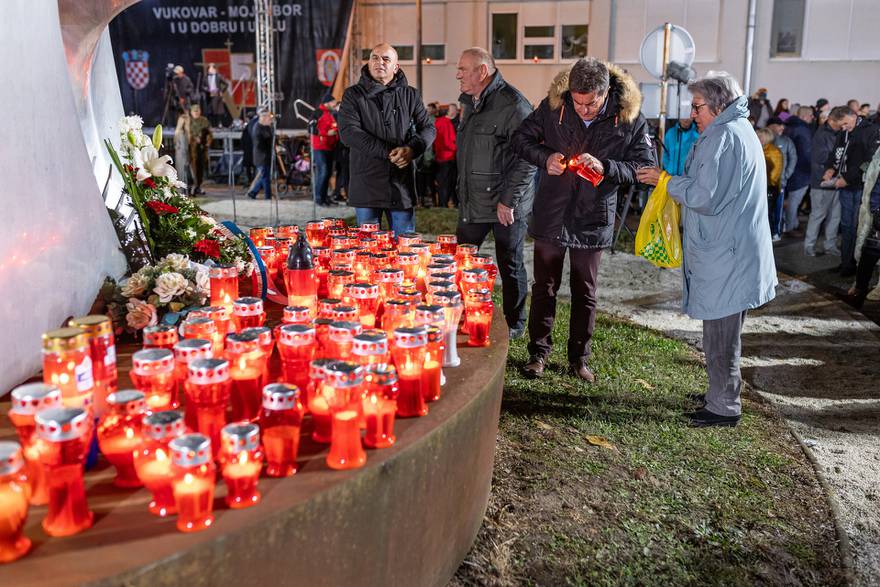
803 49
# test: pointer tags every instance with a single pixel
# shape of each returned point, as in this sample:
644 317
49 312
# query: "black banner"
155 34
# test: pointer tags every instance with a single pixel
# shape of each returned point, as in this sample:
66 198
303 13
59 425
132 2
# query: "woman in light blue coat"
728 264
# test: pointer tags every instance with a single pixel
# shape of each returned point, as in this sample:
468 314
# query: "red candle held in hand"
281 423
152 372
408 350
14 493
27 401
152 459
241 460
380 405
193 484
120 434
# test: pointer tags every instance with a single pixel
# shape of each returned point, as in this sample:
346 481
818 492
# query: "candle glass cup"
343 389
152 459
340 339
365 297
193 482
120 434
479 308
14 495
296 345
447 243
247 313
224 285
317 403
152 372
281 423
27 401
186 351
408 350
241 461
336 282
160 336
102 350
380 405
67 362
208 389
247 367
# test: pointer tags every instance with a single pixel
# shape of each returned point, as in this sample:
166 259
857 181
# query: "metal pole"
230 176
612 24
419 47
750 46
664 81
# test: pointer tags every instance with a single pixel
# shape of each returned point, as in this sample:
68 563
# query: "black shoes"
515 333
534 369
703 418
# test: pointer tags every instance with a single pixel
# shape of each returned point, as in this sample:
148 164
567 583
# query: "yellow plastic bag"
658 239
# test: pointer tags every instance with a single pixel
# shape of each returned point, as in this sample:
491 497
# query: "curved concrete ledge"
407 518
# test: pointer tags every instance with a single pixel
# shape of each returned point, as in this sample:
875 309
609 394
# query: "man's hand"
591 162
840 183
556 164
829 173
401 156
505 214
648 175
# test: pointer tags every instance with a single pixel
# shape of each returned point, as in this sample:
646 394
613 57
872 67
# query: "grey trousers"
824 206
722 345
795 197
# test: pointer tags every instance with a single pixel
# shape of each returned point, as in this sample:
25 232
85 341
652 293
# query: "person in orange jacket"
325 135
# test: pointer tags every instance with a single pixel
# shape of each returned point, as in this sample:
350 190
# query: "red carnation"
161 208
149 183
208 247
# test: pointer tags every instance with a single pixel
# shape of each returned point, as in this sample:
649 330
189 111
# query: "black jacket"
799 133
821 147
373 120
568 209
262 137
857 147
488 170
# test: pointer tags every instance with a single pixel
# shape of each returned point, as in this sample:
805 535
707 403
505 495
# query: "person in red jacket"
324 138
444 154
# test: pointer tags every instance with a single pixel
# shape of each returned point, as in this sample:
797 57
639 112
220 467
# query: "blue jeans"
401 221
774 204
323 169
263 181
850 200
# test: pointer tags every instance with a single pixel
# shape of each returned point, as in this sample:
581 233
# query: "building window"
405 52
434 53
504 33
538 52
573 42
539 31
787 30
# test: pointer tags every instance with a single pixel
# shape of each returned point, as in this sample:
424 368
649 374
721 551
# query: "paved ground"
807 352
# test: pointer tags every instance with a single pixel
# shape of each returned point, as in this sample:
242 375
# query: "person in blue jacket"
678 142
798 128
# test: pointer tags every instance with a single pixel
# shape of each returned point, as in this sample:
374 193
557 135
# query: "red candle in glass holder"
317 403
282 246
343 257
160 336
281 423
363 265
409 263
120 434
336 282
266 340
287 231
390 280
297 314
447 243
450 301
258 235
382 260
340 338
102 350
365 296
247 313
479 308
433 246
222 323
299 276
343 313
14 494
432 375
202 327
370 347
193 482
65 431
384 238
469 280
152 372
321 256
380 405
322 336
326 306
396 314
406 239
463 255
369 228
408 350
296 345
247 366
241 461
224 285
152 459
436 286
27 401
67 362
267 254
342 389
483 261
185 352
207 393
316 233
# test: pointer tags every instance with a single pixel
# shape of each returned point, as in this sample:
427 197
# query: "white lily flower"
150 164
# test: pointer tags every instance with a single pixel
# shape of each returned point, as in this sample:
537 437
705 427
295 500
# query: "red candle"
299 276
409 264
14 493
102 350
193 484
160 336
327 305
120 434
207 392
258 235
363 266
405 240
322 336
447 243
390 280
340 338
297 314
224 285
336 282
316 233
370 347
365 296
409 294
247 313
380 405
281 423
343 313
296 346
483 261
321 256
65 431
436 286
408 350
152 459
342 390
369 228
152 372
27 401
220 315
241 460
432 375
317 404
287 231
479 308
247 366
267 254
202 327
185 352
397 314
67 362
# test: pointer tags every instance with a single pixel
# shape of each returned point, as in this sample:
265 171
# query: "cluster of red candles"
370 323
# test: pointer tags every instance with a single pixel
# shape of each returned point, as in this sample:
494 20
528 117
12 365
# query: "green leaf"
157 137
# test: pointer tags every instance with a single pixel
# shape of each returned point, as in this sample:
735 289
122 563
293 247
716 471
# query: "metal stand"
265 30
308 119
621 217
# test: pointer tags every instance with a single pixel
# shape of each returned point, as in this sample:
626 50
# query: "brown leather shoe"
581 371
534 369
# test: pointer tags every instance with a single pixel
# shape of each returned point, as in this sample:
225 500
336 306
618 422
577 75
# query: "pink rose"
140 314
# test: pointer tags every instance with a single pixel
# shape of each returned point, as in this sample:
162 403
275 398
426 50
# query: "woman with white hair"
728 264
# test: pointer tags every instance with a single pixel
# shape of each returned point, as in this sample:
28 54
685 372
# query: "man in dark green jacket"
495 187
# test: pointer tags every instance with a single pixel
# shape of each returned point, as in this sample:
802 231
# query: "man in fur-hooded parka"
605 131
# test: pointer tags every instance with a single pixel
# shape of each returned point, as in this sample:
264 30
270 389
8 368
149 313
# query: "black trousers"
509 257
867 262
549 259
447 177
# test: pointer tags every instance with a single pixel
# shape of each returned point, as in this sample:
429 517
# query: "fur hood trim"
622 85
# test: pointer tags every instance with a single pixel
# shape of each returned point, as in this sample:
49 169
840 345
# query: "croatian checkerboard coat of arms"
137 68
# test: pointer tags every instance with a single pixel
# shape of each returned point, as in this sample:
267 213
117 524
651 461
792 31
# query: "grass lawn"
605 485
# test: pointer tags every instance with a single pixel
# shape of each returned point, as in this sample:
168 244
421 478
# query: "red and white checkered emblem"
137 68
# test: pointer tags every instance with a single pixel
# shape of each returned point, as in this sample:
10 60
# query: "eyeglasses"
696 107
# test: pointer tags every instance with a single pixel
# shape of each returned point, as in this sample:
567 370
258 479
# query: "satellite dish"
681 49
